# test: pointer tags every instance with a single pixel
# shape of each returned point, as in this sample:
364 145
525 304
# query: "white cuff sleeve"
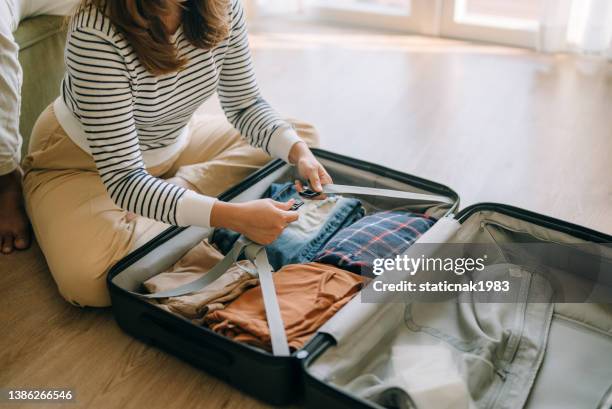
193 209
281 142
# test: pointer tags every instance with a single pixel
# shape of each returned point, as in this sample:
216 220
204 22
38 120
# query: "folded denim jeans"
318 221
379 235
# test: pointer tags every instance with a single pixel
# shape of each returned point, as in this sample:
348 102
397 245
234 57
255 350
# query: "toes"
7 243
22 238
21 243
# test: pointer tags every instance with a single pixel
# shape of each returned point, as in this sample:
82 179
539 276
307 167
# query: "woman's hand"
260 220
308 167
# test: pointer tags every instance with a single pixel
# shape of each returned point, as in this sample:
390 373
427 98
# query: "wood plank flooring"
494 123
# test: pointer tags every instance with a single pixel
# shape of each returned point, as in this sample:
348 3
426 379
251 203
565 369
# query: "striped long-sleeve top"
128 119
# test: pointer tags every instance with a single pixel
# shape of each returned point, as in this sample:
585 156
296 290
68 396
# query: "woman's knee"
79 265
306 131
82 288
79 271
79 230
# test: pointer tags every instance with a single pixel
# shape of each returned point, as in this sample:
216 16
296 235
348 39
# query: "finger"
325 178
315 181
290 216
298 185
283 205
7 243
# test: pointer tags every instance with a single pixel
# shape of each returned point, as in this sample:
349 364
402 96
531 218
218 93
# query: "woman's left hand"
308 167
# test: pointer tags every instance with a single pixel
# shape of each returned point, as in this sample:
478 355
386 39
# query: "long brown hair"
205 25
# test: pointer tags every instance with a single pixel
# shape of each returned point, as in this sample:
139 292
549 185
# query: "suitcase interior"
576 371
276 380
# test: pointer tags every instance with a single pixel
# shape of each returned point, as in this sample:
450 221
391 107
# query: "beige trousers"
82 233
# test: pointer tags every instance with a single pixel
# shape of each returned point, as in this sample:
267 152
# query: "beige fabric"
82 232
193 265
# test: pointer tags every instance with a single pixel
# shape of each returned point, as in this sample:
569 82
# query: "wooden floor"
496 124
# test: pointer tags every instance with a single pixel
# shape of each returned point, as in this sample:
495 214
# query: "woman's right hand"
260 220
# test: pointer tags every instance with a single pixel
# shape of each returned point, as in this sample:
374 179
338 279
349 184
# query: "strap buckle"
308 193
296 205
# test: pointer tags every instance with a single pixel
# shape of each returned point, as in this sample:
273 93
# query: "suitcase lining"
378 326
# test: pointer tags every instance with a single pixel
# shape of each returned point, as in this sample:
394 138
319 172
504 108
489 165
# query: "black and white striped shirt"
128 119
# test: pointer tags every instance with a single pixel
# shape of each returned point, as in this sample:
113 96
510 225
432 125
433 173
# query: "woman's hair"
205 25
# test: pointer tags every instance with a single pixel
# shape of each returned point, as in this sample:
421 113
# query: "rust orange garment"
308 295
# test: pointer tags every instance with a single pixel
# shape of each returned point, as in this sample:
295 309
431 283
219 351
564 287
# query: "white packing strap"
278 336
371 191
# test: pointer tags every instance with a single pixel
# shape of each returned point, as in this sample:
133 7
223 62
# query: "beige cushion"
41 42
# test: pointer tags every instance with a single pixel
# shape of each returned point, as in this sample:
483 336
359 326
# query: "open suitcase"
574 371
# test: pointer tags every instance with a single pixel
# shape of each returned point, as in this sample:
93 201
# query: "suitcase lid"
324 340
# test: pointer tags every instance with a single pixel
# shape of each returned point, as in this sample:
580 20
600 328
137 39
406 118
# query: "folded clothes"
308 295
193 265
318 221
379 235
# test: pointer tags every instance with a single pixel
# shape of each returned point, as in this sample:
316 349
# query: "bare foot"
14 224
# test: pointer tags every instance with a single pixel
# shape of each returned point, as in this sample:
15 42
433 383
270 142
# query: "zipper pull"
502 373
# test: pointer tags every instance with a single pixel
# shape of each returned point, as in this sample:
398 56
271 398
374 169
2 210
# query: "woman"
116 158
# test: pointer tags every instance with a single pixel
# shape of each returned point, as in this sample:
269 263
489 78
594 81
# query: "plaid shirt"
379 235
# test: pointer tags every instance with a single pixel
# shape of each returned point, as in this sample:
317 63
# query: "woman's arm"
241 99
250 113
102 99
